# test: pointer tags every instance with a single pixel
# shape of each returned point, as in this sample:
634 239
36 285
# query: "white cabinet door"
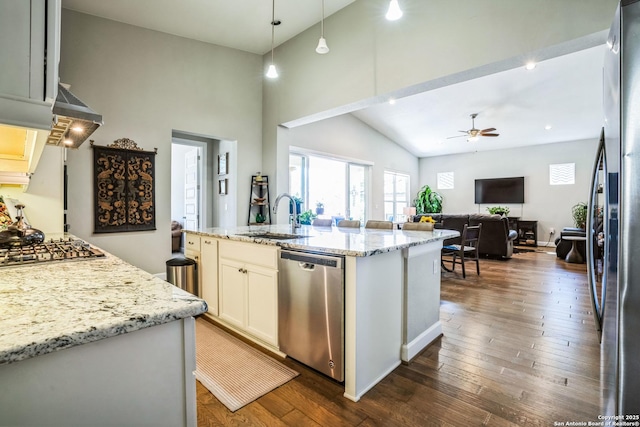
209 273
27 91
232 292
262 303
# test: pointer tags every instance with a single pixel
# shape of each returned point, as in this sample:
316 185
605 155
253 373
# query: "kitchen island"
95 342
391 289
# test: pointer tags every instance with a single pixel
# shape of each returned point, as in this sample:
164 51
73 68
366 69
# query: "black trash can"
183 273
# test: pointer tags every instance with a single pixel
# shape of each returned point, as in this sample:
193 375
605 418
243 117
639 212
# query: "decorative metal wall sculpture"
124 187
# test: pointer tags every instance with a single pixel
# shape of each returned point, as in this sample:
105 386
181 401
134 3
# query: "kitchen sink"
273 236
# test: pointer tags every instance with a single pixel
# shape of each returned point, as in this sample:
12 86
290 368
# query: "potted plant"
579 214
499 210
307 217
428 201
319 208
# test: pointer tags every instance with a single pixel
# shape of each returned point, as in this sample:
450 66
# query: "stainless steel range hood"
73 120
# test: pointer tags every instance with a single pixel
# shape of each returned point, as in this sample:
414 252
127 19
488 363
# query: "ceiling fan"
473 134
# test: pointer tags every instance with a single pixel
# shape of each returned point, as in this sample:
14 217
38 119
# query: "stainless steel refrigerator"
614 218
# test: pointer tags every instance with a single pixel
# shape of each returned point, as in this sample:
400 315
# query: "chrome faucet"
295 223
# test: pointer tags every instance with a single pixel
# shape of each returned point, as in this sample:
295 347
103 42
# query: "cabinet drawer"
191 242
262 255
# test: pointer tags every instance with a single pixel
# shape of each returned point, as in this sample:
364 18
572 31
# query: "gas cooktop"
63 249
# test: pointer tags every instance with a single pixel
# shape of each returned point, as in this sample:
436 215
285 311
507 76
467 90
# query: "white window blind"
445 181
562 174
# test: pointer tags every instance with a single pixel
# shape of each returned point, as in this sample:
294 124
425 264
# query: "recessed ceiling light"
530 65
392 101
547 127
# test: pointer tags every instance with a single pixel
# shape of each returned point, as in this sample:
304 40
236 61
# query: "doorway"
188 187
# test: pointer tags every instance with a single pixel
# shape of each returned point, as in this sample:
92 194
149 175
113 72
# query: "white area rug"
233 371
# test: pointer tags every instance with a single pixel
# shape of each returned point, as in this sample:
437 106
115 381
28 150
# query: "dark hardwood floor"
519 348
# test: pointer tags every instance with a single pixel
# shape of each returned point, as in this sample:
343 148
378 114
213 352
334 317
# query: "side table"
574 256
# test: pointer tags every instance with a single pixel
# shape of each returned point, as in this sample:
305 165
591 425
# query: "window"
562 174
396 195
445 180
338 184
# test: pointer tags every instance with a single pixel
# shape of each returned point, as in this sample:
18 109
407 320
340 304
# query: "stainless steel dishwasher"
311 310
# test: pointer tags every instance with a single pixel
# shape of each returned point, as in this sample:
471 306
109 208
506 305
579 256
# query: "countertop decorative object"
358 242
53 306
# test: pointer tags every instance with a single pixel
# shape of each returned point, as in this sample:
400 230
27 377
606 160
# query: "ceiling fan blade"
490 134
457 136
488 130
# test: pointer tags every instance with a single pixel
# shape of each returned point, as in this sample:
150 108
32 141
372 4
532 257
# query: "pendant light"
394 11
322 43
272 73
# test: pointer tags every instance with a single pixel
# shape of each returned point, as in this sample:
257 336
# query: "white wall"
550 205
346 136
43 200
147 84
226 209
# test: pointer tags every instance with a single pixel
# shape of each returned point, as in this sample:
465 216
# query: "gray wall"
550 205
435 43
147 84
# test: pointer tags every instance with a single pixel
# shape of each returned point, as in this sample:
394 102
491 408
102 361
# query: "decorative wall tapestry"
124 187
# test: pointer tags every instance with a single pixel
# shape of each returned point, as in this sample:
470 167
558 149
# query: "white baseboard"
410 350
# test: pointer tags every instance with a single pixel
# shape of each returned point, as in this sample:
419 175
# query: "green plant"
260 218
307 217
428 201
579 214
498 210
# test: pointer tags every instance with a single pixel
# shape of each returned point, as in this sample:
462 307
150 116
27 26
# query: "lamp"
322 43
409 212
394 11
272 73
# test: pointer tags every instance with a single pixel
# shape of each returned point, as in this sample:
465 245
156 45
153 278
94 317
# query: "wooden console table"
527 233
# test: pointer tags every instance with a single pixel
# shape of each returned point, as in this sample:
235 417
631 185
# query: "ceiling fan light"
472 139
272 73
322 46
394 13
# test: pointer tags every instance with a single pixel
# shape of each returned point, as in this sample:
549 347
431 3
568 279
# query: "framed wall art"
223 185
223 164
124 187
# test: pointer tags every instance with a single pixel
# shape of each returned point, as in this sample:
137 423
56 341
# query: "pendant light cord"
273 25
322 22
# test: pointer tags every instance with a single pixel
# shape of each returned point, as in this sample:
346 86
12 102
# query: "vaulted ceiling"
564 92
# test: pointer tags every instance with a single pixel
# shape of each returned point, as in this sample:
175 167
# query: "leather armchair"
497 240
176 236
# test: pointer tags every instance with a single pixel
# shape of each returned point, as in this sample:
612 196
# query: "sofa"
496 240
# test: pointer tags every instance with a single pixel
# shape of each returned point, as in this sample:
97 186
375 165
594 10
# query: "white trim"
412 349
363 390
300 150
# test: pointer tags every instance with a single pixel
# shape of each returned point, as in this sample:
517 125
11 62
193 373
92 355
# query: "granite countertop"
343 241
50 306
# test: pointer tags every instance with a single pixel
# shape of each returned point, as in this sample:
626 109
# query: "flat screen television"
500 190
